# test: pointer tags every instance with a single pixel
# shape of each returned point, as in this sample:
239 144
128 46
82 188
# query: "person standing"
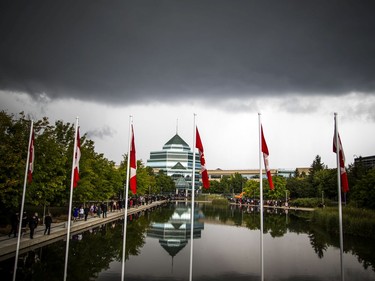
86 212
14 223
47 223
104 210
32 225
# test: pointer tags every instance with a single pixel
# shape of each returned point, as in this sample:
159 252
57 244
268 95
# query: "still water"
226 247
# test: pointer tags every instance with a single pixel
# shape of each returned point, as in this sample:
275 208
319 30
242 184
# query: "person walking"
47 223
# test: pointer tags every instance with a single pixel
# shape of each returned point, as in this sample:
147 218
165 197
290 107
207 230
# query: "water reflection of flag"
199 145
133 165
265 157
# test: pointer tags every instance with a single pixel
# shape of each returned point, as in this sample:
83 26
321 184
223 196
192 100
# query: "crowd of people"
32 221
28 221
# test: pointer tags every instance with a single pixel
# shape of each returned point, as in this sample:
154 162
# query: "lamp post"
286 198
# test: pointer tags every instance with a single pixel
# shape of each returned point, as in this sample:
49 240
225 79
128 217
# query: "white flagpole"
70 202
261 201
126 201
338 149
23 203
192 205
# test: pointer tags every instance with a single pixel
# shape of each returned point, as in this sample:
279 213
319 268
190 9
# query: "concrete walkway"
8 245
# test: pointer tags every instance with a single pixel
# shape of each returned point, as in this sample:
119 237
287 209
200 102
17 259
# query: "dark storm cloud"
141 51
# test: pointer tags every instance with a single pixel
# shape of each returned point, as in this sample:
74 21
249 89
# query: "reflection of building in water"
173 235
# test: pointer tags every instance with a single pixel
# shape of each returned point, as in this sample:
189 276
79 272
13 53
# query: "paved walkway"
8 245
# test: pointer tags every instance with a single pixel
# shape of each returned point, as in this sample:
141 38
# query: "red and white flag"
133 166
77 157
265 157
30 169
199 145
343 175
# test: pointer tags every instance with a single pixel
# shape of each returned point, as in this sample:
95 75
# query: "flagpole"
23 202
70 202
338 149
261 200
126 201
192 206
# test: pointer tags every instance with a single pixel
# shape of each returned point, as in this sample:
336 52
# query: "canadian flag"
31 159
265 157
77 157
343 175
133 166
199 145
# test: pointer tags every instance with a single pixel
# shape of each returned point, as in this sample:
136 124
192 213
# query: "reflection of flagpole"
338 148
23 202
126 202
261 201
70 202
192 206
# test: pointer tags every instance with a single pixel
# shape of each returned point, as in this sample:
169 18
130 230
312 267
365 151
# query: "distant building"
176 160
218 174
368 161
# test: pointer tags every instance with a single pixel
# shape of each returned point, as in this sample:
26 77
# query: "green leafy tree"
251 189
164 183
363 192
237 182
325 182
226 185
278 192
14 138
50 172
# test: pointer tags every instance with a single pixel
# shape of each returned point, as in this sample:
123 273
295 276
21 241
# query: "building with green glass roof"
176 160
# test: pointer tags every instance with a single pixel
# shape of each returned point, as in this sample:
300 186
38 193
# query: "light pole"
286 198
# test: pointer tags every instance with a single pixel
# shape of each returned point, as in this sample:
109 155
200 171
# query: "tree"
164 183
251 189
278 192
325 181
317 165
363 192
50 174
14 138
237 182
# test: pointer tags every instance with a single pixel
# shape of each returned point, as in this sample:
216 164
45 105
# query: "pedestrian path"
8 245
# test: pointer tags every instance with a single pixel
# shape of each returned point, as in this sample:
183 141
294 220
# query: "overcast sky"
295 62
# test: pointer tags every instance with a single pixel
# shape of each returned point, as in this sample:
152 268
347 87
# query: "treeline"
320 184
100 178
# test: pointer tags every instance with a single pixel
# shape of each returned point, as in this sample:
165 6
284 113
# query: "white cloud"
230 137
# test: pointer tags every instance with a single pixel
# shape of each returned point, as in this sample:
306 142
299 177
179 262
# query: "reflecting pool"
226 247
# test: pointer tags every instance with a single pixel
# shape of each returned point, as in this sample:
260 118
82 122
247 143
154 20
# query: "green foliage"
363 192
100 179
164 183
307 202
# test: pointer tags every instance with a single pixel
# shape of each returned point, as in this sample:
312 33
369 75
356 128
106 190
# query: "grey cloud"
101 133
144 51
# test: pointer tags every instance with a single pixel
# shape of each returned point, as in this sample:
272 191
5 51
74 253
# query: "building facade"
176 160
368 161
